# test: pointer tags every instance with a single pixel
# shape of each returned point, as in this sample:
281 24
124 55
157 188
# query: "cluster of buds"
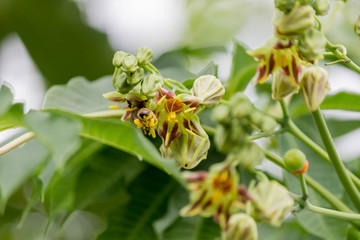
153 108
297 45
237 120
217 193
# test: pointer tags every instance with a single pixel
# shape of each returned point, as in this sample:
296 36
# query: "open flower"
213 193
279 56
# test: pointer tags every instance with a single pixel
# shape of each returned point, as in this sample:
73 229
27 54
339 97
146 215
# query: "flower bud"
312 45
285 5
120 83
321 7
118 58
250 155
271 202
295 161
221 114
268 124
241 105
256 118
144 56
282 86
135 77
188 150
314 87
357 26
115 96
241 226
295 22
130 64
148 85
208 89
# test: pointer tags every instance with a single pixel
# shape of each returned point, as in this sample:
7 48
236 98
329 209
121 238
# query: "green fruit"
294 160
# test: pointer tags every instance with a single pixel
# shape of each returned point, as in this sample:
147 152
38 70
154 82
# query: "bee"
147 120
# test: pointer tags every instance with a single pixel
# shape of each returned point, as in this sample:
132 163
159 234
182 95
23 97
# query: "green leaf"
149 193
319 225
59 134
192 228
242 70
288 230
80 95
17 166
341 101
126 137
102 183
6 98
11 116
63 46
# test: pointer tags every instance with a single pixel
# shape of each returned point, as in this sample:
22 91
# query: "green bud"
130 64
321 7
148 85
294 23
228 137
241 105
314 87
188 150
357 26
144 56
268 124
208 89
285 5
282 86
312 45
118 58
221 114
135 77
241 226
250 155
294 160
271 202
256 118
115 96
120 83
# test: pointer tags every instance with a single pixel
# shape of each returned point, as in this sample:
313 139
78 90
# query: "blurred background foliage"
103 192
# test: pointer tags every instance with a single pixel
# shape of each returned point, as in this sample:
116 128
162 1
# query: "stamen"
152 132
130 109
138 123
161 100
172 117
152 123
167 138
192 133
114 107
190 110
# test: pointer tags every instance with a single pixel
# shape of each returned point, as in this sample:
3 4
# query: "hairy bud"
118 58
282 86
357 26
144 56
312 45
208 89
321 7
314 87
148 85
271 202
294 23
135 77
241 226
130 64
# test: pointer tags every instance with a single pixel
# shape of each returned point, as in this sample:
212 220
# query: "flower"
278 55
271 202
208 89
241 226
213 193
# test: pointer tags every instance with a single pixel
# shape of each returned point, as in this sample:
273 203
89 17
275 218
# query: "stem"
284 110
332 213
178 84
304 189
16 142
262 135
154 68
294 130
334 49
334 201
102 114
335 159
